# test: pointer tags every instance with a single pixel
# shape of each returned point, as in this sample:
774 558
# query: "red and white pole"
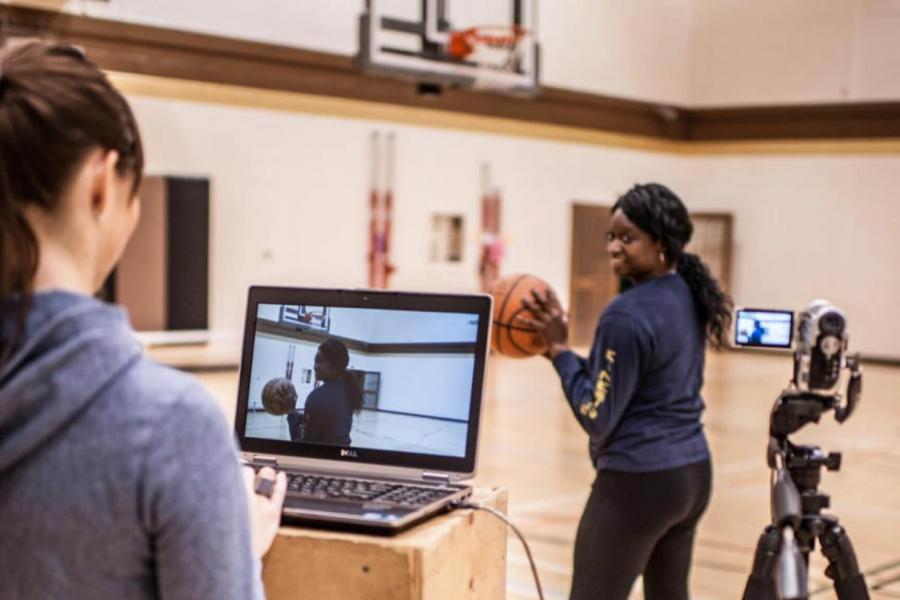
388 230
381 207
374 194
491 240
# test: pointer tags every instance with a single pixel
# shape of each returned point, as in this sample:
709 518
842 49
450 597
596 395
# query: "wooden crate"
455 556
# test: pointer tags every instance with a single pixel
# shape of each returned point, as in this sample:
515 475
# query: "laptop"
369 401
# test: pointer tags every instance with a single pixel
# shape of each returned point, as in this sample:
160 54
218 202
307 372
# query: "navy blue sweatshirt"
328 414
637 395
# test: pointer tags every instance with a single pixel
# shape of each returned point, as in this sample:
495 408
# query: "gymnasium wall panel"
803 51
292 190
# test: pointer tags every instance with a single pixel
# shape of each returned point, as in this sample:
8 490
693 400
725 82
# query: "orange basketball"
509 337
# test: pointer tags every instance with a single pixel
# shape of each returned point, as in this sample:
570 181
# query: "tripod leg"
761 583
842 566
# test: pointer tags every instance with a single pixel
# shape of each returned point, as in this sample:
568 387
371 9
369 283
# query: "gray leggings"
640 523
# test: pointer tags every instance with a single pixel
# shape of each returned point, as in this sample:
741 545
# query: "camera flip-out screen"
764 328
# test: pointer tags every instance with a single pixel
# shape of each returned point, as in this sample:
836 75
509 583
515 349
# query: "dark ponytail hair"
336 354
656 209
55 107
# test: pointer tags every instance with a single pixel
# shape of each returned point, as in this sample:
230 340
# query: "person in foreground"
637 395
119 478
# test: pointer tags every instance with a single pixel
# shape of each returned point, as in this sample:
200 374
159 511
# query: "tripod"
782 554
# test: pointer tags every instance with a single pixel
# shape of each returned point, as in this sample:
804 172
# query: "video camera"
820 355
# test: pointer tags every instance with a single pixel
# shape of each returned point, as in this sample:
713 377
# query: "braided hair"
656 210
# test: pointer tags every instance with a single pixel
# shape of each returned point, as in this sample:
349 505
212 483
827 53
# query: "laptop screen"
385 379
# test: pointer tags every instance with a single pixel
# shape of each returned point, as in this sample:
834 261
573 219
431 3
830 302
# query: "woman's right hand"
550 320
265 511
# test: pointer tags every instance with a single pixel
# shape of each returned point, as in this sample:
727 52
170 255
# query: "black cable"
502 517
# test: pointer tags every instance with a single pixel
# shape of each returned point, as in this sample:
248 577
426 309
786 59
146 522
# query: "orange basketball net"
497 37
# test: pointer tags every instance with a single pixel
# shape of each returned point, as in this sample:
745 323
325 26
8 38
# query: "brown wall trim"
169 53
803 122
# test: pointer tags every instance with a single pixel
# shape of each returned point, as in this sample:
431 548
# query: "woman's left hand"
265 497
550 320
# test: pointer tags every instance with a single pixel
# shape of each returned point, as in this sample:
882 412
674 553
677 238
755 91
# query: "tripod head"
794 408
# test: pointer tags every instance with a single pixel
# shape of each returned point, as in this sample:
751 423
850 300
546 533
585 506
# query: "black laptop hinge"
260 459
436 477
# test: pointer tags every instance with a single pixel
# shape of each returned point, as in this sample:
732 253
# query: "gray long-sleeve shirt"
119 478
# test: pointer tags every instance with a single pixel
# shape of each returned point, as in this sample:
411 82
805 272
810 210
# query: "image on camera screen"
764 328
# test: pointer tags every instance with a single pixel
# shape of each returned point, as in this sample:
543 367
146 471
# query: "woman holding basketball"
637 395
330 407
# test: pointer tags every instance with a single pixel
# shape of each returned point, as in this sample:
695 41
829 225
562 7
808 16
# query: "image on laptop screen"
361 377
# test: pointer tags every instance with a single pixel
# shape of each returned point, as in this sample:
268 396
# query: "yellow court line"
247 97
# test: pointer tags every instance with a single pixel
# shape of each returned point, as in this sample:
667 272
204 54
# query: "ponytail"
18 265
713 305
354 392
656 209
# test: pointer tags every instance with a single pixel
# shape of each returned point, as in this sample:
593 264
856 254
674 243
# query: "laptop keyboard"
381 494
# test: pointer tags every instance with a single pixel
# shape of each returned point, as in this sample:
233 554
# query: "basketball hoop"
503 56
494 47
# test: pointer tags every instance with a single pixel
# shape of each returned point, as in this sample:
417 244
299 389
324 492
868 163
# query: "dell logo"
348 452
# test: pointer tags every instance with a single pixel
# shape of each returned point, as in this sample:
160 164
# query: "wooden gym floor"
532 445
